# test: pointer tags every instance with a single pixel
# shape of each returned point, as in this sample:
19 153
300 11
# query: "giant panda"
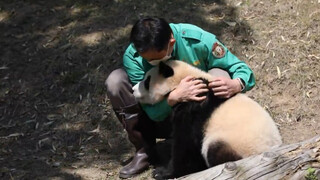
210 132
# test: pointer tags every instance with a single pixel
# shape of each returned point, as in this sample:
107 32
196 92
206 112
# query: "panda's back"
244 125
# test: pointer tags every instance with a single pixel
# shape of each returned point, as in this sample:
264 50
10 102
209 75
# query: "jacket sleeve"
228 62
133 68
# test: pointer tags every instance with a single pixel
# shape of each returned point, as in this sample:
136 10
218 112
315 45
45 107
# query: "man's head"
152 38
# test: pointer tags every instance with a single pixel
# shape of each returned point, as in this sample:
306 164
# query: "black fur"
147 83
165 70
188 119
221 152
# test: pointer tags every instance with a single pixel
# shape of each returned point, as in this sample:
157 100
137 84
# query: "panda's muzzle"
136 91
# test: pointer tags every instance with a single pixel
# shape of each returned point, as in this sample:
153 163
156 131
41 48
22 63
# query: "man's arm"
220 57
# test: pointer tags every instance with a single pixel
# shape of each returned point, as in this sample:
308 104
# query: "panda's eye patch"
147 83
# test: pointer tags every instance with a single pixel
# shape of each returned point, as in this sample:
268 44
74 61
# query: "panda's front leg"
162 173
179 159
178 165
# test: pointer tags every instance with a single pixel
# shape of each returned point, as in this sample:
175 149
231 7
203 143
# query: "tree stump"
294 161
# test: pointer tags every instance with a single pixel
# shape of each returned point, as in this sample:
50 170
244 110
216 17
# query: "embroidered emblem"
197 62
218 50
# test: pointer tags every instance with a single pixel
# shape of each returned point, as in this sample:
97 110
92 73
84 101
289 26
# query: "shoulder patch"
218 50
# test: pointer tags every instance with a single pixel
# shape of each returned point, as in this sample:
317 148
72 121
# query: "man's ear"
165 70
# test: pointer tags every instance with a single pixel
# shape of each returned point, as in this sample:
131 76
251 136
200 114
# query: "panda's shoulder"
240 97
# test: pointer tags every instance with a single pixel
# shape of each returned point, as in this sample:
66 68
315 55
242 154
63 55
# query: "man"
154 40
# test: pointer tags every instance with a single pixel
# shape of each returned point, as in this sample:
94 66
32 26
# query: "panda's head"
162 79
158 82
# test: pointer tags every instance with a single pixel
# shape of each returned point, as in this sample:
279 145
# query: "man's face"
153 54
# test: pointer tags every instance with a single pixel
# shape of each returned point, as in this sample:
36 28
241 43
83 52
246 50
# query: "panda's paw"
161 173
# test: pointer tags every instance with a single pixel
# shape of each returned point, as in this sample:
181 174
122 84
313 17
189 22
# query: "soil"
55 119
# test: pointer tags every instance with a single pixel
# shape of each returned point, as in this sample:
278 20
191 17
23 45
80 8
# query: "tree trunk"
294 161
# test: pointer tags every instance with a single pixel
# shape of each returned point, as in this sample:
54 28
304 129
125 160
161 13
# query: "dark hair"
150 33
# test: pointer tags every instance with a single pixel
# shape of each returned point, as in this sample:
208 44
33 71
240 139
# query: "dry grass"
55 121
287 66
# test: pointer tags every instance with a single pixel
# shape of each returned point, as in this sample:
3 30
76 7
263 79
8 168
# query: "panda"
210 132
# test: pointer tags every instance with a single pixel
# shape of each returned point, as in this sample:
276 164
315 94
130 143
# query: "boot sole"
126 176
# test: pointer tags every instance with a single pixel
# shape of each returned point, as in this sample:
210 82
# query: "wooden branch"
294 161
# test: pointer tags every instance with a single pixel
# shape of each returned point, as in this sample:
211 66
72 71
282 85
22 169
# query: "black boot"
141 134
139 163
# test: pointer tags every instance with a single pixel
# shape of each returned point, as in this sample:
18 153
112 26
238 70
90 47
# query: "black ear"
165 70
147 83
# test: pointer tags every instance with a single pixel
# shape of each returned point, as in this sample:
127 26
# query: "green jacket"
194 46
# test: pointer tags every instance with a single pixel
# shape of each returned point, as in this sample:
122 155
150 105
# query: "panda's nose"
135 87
136 92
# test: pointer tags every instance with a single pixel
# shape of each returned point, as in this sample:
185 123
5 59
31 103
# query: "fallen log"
294 161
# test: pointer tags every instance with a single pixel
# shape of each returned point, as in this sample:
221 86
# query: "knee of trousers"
116 81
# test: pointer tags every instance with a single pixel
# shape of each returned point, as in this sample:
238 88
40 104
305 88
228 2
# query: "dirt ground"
55 119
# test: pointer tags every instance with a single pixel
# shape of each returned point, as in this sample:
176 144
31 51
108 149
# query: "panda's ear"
147 83
165 70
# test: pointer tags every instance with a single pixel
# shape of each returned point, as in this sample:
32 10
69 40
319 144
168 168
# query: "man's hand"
225 87
187 90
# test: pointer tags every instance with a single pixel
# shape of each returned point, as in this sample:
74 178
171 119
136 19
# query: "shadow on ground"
55 55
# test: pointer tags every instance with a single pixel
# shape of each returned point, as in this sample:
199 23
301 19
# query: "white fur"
244 125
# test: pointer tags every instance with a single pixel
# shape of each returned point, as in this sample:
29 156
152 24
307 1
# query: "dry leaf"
238 4
279 72
313 56
308 94
80 154
89 138
268 43
97 130
42 141
3 67
13 135
230 23
64 154
251 57
52 117
54 148
56 164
